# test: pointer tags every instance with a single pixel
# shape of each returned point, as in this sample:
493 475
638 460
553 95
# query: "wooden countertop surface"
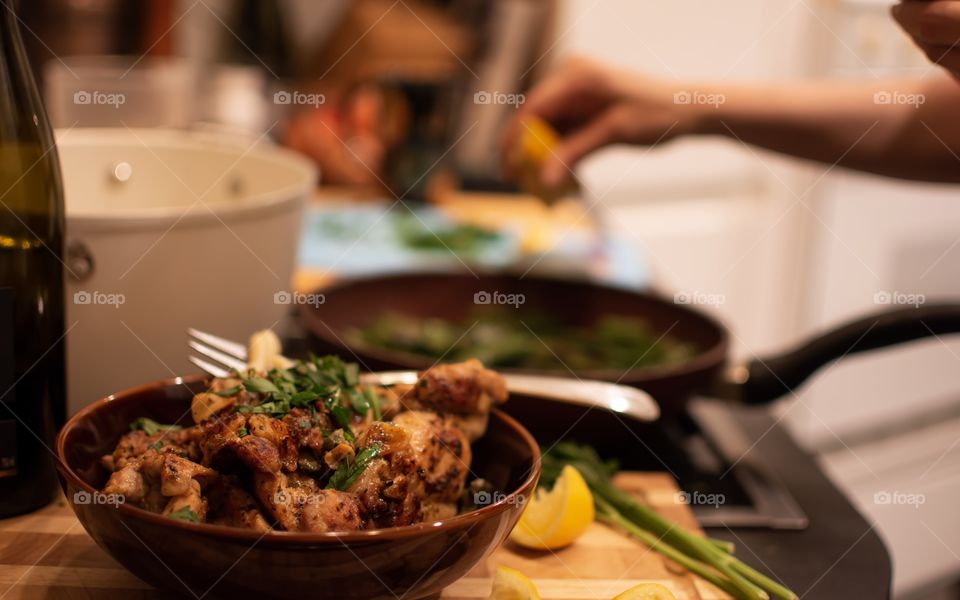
47 554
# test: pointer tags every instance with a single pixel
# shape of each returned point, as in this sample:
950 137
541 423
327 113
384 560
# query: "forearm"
843 123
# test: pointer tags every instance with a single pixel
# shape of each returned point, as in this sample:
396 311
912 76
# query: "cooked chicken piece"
298 504
277 433
441 450
232 506
177 474
262 442
191 499
465 388
391 487
129 483
152 479
219 435
184 442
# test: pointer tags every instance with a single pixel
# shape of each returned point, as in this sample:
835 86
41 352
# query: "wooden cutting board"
47 554
602 563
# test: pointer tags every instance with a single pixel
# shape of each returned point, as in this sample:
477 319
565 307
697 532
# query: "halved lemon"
534 146
646 591
537 140
511 584
556 518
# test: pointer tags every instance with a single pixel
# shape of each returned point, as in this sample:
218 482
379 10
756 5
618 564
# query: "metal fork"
220 356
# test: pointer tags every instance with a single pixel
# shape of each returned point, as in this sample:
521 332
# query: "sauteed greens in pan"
304 446
526 339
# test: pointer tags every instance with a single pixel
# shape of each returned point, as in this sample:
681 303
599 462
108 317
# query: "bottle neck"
9 22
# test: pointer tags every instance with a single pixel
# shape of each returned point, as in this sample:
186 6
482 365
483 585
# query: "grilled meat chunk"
191 499
232 506
391 488
259 441
465 388
441 450
298 504
155 478
185 442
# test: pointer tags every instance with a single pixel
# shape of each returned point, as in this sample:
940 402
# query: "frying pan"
354 303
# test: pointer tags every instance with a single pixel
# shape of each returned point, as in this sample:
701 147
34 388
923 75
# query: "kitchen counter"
839 555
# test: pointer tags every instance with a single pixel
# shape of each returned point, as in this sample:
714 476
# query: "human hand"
592 106
935 27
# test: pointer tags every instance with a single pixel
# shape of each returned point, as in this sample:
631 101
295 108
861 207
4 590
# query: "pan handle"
764 380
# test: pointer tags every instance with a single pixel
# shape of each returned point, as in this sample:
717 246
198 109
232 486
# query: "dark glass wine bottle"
32 363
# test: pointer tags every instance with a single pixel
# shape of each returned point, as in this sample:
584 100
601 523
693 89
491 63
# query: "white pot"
168 230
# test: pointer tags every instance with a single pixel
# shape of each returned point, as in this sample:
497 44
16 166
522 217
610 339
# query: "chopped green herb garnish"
233 391
150 427
260 385
321 381
349 471
185 514
158 446
374 401
242 432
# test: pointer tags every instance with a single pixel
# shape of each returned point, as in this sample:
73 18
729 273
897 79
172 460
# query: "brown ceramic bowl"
415 561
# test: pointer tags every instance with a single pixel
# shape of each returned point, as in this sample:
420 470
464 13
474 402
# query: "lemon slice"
556 518
646 591
511 584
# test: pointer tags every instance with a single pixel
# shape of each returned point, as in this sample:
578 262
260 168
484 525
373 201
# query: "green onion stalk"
708 558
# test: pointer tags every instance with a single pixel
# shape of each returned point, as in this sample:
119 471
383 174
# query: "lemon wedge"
556 518
511 584
646 591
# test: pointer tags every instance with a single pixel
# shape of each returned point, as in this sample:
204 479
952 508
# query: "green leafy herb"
460 238
242 432
150 427
359 401
260 386
185 514
342 415
158 446
374 401
349 471
227 393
